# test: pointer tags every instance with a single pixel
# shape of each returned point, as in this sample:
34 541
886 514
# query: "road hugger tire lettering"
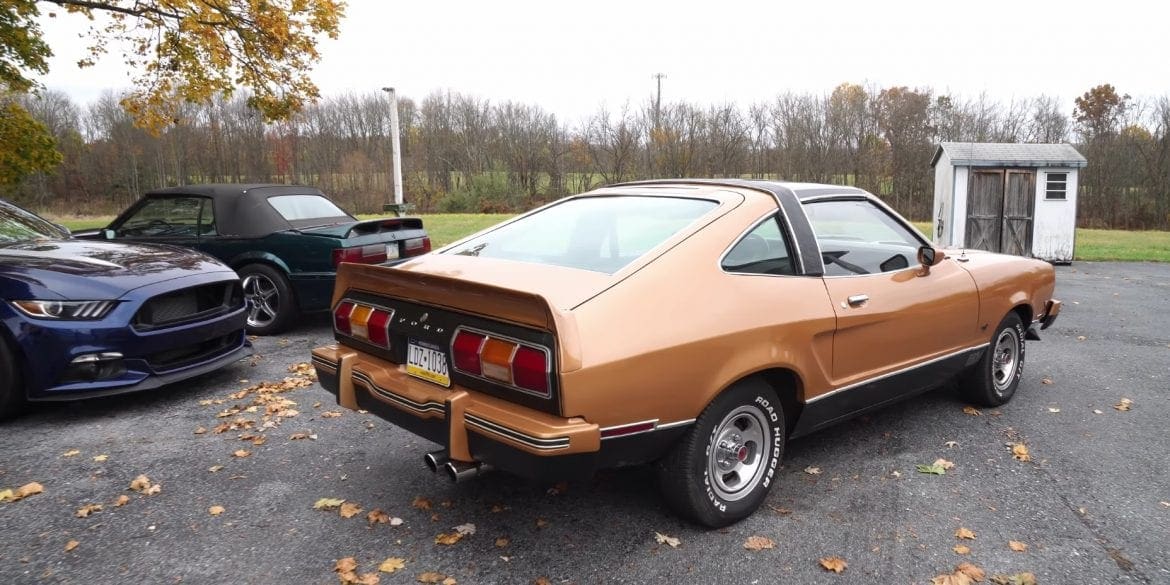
994 379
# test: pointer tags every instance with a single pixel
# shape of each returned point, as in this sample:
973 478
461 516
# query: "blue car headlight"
65 310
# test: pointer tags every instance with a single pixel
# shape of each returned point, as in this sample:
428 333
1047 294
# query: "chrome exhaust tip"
435 460
460 471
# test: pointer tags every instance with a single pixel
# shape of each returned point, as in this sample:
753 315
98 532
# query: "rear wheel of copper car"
12 400
993 381
721 470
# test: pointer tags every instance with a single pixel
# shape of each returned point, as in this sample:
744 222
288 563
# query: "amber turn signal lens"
496 359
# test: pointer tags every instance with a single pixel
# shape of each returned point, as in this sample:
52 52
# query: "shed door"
999 210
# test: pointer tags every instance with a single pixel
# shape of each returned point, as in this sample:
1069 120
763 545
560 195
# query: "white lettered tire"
722 469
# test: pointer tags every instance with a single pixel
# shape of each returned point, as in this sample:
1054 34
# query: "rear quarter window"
302 207
601 234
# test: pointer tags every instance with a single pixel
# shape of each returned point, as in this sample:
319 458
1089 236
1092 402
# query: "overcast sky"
570 57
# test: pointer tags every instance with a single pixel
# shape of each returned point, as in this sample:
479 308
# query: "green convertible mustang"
285 241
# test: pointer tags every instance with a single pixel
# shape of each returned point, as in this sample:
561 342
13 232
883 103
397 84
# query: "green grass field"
1092 245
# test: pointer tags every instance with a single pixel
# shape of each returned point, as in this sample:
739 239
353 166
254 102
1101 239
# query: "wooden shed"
1013 198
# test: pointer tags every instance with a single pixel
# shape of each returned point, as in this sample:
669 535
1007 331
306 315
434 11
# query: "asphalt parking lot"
1091 506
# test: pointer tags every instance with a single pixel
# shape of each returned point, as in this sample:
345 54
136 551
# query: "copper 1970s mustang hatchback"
696 324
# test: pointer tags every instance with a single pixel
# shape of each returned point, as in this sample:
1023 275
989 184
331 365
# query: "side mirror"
109 234
928 256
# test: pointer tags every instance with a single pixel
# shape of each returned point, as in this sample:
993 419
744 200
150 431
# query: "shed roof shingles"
982 154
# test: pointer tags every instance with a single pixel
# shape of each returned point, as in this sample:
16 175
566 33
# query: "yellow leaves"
812 470
328 504
421 503
964 574
72 544
961 549
200 430
964 534
330 414
349 510
971 410
448 538
122 500
755 543
22 492
346 570
434 577
71 453
240 453
1017 546
101 458
834 564
140 484
1020 452
215 510
659 537
86 510
392 564
1124 405
943 463
1017 579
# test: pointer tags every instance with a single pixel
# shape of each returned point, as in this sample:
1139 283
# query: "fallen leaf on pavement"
240 453
465 529
1017 579
1053 409
214 468
200 430
421 503
951 444
1124 405
140 483
349 510
541 522
1167 504
541 581
661 538
448 538
377 516
430 577
1045 380
330 414
154 489
328 503
22 492
943 463
971 410
1081 338
121 501
834 564
72 544
346 565
392 564
215 510
758 543
964 534
932 469
503 541
86 510
1098 411
812 470
1017 545
71 453
962 549
298 436
100 458
1020 452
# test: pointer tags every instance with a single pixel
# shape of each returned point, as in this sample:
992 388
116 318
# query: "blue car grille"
189 304
189 355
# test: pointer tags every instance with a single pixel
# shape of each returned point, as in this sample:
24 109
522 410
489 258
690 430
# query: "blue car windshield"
18 225
602 234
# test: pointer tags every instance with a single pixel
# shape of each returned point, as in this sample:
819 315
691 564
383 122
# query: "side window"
764 250
858 237
173 217
1056 186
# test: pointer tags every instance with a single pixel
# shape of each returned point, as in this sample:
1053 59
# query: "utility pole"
658 100
396 154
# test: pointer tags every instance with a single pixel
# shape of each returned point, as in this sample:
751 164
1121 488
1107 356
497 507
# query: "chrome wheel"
736 455
1005 360
263 299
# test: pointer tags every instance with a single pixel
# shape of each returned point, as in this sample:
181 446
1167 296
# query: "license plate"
392 251
427 362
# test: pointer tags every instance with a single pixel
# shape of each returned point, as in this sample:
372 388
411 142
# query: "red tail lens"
372 254
341 317
378 328
465 351
416 246
530 369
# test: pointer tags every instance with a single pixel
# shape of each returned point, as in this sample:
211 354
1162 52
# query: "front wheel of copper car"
721 470
993 381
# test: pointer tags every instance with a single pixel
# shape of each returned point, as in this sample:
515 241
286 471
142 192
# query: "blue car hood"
93 270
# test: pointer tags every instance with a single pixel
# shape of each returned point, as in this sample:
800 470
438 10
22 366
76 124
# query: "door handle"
858 300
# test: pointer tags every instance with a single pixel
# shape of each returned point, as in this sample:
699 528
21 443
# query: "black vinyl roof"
242 209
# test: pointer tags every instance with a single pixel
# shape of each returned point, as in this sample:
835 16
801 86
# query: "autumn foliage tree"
184 51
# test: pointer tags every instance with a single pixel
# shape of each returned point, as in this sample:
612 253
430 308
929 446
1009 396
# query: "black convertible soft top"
243 210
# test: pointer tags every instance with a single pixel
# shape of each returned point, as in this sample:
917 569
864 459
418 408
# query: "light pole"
396 154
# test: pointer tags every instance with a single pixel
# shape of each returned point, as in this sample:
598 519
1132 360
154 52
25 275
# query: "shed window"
1056 186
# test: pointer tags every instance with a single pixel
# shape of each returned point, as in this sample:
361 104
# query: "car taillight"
365 322
341 317
465 351
513 363
371 254
416 246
